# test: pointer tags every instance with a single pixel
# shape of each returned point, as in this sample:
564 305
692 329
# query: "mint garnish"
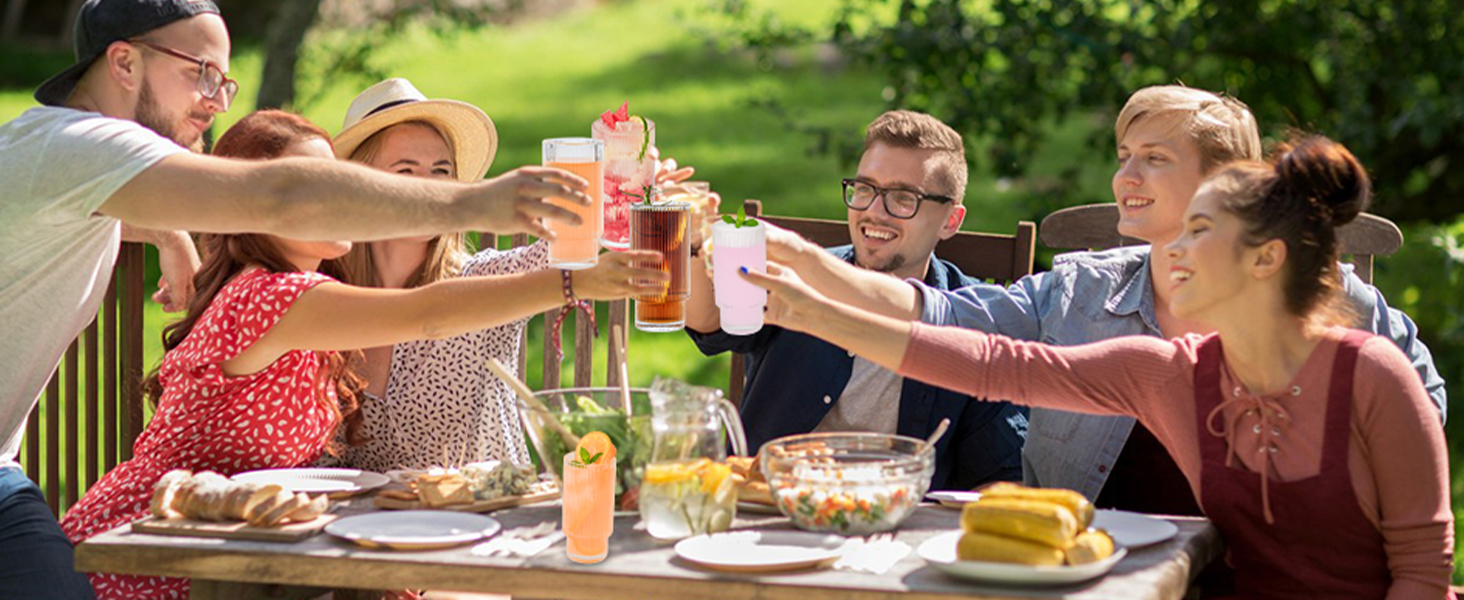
741 220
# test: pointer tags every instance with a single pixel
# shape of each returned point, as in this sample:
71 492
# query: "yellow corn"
995 548
1075 502
1042 522
1092 545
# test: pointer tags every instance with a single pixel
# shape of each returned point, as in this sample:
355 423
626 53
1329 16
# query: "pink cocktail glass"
627 173
740 302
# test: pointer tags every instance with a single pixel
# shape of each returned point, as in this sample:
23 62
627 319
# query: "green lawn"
552 78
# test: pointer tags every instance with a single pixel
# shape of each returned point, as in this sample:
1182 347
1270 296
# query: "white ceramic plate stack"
760 551
940 551
317 481
414 529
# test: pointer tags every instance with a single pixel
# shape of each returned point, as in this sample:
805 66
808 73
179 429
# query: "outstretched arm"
317 199
1126 376
178 260
335 316
842 282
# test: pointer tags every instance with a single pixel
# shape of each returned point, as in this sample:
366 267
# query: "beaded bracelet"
570 304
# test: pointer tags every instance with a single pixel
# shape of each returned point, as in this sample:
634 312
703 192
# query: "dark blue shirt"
790 373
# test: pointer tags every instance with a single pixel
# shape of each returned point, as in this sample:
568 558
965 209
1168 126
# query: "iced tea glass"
589 509
663 227
576 246
629 168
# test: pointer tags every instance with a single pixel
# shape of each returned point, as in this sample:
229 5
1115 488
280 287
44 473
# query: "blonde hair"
446 254
919 131
1222 127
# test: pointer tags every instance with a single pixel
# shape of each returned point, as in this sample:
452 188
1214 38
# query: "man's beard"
890 265
151 116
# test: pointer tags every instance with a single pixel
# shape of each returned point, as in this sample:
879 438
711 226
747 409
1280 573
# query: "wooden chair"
991 256
583 341
1095 227
61 452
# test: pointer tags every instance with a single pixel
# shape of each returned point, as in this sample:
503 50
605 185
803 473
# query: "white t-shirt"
870 401
57 166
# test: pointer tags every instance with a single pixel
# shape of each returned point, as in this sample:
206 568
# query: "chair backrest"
70 443
1095 227
994 256
583 340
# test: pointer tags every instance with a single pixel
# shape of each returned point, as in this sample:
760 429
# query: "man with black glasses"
905 198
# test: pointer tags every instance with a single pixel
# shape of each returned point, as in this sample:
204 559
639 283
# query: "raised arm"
842 282
317 199
334 316
1127 376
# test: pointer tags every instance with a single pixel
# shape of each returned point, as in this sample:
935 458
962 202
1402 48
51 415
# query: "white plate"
317 481
1134 530
940 551
414 529
755 551
954 499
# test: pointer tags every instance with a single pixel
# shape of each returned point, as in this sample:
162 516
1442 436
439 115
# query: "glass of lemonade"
663 227
629 168
576 246
588 508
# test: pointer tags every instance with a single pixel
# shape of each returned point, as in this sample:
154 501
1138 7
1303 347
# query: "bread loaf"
1081 508
1035 521
163 492
996 548
312 509
1092 545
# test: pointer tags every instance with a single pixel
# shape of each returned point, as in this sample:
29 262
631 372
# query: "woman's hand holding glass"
792 303
617 276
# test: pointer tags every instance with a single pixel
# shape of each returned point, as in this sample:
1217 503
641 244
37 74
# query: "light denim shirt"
1092 296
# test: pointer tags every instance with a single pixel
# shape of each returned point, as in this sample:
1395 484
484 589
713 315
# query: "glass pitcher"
688 487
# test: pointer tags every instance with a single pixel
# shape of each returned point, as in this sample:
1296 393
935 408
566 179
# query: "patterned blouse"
442 405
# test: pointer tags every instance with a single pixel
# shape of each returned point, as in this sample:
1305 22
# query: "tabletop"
638 566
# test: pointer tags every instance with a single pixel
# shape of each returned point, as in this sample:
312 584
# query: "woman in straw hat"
428 399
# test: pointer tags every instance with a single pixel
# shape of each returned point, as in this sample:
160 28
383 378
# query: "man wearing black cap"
109 147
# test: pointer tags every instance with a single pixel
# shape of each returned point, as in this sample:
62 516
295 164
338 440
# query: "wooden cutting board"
232 530
480 506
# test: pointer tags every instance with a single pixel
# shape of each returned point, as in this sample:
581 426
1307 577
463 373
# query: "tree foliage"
1383 77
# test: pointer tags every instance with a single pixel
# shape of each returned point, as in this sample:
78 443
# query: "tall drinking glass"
663 228
733 248
588 509
576 246
628 170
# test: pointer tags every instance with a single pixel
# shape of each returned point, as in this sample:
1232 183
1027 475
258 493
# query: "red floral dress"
207 420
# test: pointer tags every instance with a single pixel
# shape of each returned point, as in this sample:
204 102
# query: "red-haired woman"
1312 447
253 377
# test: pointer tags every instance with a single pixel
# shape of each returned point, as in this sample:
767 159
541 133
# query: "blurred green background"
764 113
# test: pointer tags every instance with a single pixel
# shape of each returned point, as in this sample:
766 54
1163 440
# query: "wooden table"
638 567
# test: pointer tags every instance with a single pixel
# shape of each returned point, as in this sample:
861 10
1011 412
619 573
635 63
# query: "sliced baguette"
276 514
256 515
311 510
167 486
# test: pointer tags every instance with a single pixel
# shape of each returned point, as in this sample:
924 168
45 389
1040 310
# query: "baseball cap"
101 22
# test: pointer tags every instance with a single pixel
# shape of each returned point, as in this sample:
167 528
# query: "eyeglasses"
899 203
211 79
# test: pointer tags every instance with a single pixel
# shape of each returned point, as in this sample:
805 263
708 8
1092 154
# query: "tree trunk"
282 51
68 27
14 9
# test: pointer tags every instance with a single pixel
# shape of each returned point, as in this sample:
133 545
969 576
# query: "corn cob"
1075 502
1092 545
995 548
1042 522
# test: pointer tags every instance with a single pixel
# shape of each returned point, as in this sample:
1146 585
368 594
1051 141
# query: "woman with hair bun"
1313 447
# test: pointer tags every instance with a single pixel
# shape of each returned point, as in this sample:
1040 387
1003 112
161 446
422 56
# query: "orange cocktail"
577 246
589 499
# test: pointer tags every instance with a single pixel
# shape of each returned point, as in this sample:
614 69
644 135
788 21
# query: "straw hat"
470 132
